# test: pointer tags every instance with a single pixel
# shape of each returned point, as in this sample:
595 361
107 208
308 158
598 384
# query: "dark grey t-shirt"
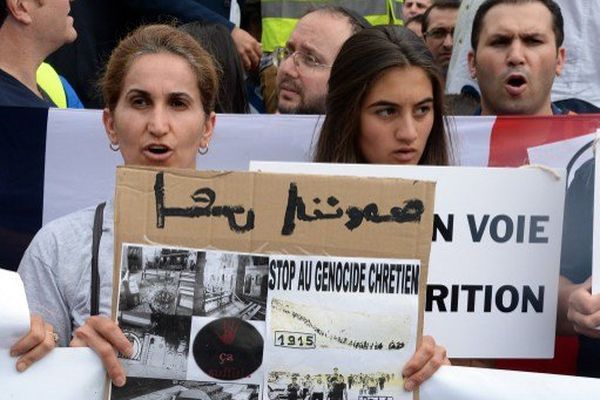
576 255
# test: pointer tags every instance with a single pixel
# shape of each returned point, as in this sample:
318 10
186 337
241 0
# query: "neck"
19 55
544 111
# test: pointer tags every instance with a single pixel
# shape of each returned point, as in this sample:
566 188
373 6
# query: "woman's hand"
428 358
40 340
105 337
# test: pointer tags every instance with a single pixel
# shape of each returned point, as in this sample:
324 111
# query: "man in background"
29 31
412 8
305 63
516 54
438 29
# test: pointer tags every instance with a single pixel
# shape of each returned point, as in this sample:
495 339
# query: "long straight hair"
361 61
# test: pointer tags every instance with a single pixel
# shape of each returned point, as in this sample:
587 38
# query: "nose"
158 123
515 54
288 67
406 129
448 40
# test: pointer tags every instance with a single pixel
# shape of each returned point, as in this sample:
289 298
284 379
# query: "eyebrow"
137 91
312 50
511 35
391 103
147 94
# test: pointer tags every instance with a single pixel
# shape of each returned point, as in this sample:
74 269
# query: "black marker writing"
296 209
204 196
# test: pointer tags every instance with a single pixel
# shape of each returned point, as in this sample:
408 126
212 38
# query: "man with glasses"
305 63
438 28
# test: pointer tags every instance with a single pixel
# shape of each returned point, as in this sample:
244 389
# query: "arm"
42 286
575 301
428 358
52 274
190 10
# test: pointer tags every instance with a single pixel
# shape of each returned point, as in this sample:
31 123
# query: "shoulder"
69 224
584 175
14 93
61 239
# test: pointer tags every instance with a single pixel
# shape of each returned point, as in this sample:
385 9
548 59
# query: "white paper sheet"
63 374
464 383
14 312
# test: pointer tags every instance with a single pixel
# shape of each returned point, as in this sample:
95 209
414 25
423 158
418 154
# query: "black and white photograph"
164 289
337 325
168 389
335 384
155 308
231 284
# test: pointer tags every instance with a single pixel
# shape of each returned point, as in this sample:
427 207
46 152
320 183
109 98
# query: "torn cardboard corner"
257 212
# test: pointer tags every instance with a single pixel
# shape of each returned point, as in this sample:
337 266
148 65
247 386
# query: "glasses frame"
301 60
434 32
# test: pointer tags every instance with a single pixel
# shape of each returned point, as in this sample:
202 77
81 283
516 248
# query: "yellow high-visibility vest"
279 17
48 79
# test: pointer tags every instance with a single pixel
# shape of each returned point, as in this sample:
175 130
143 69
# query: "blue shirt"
14 93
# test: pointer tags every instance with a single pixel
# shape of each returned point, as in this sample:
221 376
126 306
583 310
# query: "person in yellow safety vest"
279 17
56 88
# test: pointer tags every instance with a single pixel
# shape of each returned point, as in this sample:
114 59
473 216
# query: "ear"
20 10
471 61
209 127
560 60
109 126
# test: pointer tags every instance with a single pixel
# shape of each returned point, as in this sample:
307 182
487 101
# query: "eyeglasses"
301 60
439 33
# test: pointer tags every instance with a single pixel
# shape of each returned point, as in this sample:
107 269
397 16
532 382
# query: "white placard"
14 312
494 266
569 154
463 383
63 374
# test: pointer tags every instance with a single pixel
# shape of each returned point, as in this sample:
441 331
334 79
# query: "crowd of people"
338 338
383 90
329 386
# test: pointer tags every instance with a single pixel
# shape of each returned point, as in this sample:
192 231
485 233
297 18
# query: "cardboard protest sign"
493 275
199 249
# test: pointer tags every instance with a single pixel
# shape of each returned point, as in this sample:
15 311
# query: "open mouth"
515 85
158 149
516 81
